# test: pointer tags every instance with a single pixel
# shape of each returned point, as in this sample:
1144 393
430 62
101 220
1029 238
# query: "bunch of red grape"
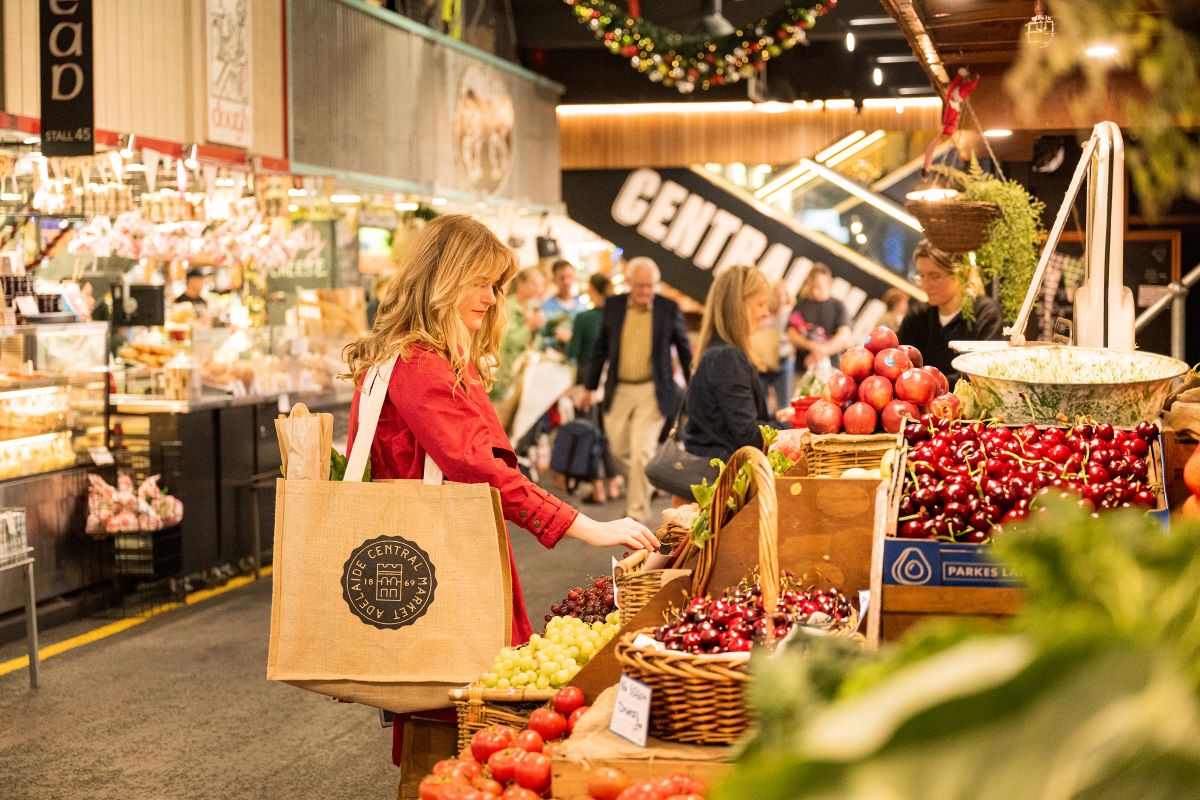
591 603
967 480
735 621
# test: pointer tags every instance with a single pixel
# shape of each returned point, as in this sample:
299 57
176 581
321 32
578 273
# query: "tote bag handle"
370 405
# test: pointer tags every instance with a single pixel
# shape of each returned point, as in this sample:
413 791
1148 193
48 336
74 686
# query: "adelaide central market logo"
388 582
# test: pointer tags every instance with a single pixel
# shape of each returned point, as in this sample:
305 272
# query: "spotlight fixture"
877 76
1100 51
1040 29
850 42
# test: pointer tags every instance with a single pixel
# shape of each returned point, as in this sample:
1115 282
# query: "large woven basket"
832 454
636 583
956 226
478 708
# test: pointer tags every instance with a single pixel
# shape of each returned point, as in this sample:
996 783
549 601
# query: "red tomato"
605 783
568 699
435 787
686 784
689 796
550 724
503 764
644 790
468 769
465 754
529 741
550 749
488 786
519 793
445 767
574 718
533 772
489 741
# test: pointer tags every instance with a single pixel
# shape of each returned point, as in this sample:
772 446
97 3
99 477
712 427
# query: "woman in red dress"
442 315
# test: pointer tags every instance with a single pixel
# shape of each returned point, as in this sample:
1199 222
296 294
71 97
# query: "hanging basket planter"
956 226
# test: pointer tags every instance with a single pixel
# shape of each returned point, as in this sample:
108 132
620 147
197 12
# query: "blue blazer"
668 329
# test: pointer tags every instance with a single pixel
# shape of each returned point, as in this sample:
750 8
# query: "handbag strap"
370 406
678 417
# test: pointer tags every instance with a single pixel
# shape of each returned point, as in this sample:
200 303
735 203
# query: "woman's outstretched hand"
618 533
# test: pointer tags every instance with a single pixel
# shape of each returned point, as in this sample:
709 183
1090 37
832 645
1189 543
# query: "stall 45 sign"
67 112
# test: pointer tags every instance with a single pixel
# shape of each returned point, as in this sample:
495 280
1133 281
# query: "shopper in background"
561 307
930 327
774 353
639 329
819 326
896 301
726 402
441 315
525 319
584 333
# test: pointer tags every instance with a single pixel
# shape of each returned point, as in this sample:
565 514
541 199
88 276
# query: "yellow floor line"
103 632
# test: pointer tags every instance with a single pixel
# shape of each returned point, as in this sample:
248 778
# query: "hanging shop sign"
693 229
67 110
230 109
483 130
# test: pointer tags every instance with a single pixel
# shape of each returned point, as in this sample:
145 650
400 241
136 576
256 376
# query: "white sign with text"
631 714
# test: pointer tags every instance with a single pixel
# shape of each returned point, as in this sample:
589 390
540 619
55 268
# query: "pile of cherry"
966 480
736 620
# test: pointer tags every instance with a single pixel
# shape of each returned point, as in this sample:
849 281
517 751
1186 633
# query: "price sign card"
631 714
101 456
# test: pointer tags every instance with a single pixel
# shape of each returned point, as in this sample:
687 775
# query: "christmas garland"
691 62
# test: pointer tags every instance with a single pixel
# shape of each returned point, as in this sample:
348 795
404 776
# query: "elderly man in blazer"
636 338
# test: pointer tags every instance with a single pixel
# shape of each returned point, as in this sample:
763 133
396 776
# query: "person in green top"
525 318
585 329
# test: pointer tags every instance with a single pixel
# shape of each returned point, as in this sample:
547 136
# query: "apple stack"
880 384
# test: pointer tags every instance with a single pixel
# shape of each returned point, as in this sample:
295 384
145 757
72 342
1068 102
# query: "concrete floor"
178 707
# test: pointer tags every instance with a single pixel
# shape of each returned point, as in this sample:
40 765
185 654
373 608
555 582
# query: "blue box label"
918 562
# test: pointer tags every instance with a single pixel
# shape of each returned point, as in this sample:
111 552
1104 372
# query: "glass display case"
53 396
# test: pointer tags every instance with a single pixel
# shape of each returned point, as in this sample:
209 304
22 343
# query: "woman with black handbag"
725 403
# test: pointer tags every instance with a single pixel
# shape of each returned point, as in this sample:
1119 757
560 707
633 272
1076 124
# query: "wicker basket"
694 699
636 584
834 453
956 226
478 708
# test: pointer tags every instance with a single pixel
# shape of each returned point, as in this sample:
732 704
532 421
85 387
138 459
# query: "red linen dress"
425 413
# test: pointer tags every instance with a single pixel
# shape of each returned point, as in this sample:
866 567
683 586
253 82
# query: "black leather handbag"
673 469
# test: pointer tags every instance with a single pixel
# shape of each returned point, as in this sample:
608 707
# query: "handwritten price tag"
631 715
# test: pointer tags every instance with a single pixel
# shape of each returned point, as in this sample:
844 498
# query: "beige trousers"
633 423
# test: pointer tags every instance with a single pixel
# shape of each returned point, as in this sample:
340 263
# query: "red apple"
841 388
943 384
891 362
916 386
914 355
881 338
858 363
895 412
860 418
824 417
876 391
946 406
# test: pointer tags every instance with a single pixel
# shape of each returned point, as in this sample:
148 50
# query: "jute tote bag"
387 593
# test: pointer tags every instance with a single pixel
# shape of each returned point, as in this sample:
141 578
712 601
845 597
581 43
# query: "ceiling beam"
919 39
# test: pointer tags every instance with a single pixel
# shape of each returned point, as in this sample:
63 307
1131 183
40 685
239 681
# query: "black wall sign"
693 227
67 109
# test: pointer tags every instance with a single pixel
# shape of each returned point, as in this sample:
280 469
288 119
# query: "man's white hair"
643 262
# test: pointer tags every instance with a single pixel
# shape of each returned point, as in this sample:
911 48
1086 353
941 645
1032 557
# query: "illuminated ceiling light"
997 133
1100 51
861 238
440 201
909 59
877 76
293 209
773 107
611 109
1040 29
839 145
348 199
856 225
850 42
866 195
297 193
407 206
780 182
11 197
860 22
855 149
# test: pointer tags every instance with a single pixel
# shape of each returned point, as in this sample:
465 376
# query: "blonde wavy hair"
725 310
419 305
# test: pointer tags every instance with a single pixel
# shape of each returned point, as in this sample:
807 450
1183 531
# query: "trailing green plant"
1009 255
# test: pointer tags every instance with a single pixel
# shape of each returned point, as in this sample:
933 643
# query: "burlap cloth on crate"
1182 408
592 741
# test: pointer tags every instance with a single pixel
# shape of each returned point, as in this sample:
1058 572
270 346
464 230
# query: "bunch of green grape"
550 661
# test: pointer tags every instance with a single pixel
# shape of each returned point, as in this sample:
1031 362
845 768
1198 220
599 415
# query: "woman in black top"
725 400
930 327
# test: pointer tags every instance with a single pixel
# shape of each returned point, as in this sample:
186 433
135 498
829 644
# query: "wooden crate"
569 778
